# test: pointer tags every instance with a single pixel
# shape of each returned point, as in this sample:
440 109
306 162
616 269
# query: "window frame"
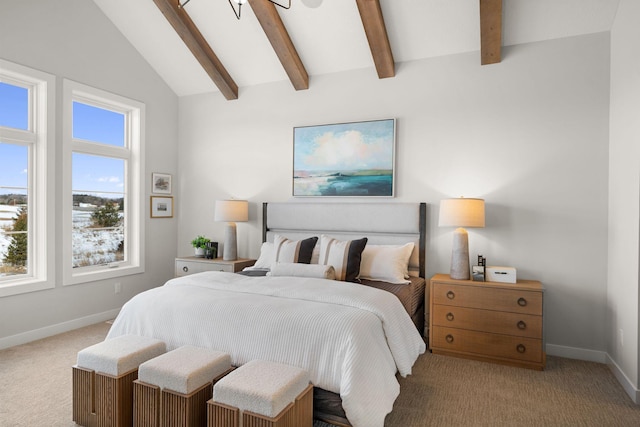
40 140
132 153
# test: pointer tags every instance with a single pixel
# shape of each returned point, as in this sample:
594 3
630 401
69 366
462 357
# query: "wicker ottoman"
265 394
172 389
103 379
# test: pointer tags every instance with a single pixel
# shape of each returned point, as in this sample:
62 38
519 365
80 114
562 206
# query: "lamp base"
230 242
460 255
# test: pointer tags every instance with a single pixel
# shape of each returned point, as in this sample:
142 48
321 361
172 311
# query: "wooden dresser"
488 321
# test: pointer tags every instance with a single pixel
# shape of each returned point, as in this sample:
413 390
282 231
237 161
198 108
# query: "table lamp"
461 213
231 211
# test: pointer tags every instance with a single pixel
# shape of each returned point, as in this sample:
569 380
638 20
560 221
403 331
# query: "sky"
344 147
91 174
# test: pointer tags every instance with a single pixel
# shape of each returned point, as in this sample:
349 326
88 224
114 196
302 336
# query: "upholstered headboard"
381 223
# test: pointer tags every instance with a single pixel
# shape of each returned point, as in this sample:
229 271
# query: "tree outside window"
15 259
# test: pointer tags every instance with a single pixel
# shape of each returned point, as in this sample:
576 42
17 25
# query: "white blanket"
351 338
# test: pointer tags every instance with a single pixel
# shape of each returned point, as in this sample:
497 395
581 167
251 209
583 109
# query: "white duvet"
351 338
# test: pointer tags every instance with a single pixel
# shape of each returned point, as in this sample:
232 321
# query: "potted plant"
199 243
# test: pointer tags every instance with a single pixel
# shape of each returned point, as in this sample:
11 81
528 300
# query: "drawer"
486 297
486 344
184 268
516 324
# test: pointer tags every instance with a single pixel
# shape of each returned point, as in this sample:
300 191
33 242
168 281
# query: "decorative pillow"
386 263
344 256
266 256
315 255
303 270
285 250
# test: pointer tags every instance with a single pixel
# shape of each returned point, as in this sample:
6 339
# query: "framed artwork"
347 159
161 207
161 183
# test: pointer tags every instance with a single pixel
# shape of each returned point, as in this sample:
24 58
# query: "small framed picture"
478 273
161 207
160 183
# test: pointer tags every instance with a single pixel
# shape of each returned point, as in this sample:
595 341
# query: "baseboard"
624 381
59 328
599 357
576 353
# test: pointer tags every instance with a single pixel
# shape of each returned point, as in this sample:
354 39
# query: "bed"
353 339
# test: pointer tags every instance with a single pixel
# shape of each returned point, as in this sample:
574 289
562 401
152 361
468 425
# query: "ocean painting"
346 159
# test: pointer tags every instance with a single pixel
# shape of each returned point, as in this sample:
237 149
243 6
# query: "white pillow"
266 256
386 263
297 269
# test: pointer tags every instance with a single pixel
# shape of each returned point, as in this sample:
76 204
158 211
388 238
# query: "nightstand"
191 264
488 321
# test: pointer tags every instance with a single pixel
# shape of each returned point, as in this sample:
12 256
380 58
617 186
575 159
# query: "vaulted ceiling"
202 47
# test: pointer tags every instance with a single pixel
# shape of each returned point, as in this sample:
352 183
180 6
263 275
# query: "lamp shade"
232 211
461 212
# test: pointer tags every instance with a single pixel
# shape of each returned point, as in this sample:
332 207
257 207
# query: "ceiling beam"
490 31
195 41
376 31
279 38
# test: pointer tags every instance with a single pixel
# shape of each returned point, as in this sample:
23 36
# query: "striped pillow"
344 256
285 250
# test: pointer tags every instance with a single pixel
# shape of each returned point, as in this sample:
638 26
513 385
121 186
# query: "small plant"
200 242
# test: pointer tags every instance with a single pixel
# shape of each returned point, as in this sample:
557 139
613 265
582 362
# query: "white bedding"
351 338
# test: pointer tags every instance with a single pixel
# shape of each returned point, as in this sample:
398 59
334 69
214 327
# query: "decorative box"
500 274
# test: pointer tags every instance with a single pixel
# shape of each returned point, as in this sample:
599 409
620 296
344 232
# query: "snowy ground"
90 246
94 246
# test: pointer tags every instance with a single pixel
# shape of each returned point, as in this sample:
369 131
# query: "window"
103 170
26 179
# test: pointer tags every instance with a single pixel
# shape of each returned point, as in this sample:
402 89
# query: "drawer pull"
450 317
522 325
449 338
451 295
521 348
522 302
185 269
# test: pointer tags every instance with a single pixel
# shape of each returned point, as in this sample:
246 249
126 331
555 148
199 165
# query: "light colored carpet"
35 378
35 390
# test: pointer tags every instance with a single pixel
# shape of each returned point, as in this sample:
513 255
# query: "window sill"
94 275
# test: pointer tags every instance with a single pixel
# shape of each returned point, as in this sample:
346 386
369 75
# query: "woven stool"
172 389
265 394
103 379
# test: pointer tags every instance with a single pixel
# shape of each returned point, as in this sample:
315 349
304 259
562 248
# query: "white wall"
624 197
73 39
530 135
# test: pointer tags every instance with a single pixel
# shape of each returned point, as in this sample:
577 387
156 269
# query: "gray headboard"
381 223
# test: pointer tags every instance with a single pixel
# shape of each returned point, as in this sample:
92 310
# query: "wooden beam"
376 31
195 41
279 38
490 31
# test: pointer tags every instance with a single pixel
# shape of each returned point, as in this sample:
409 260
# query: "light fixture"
312 3
231 211
240 3
461 213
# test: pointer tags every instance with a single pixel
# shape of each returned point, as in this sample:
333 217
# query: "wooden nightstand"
191 264
488 321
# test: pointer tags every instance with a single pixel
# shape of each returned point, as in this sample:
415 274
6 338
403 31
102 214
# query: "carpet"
35 390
